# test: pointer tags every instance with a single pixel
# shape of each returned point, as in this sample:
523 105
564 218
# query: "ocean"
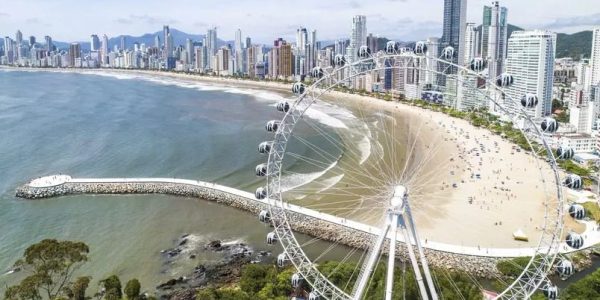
131 126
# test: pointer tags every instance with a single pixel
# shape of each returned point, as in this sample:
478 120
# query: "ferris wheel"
386 165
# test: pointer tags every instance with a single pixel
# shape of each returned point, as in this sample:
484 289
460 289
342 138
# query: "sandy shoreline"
498 189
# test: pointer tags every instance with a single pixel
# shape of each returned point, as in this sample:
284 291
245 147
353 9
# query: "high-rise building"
166 32
104 50
432 67
471 42
248 42
189 51
31 41
169 46
595 58
372 43
286 59
19 38
222 62
530 60
157 41
494 35
455 19
74 55
239 53
49 45
301 40
201 58
211 40
123 46
358 37
94 42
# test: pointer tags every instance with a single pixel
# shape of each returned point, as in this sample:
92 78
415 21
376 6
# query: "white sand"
508 195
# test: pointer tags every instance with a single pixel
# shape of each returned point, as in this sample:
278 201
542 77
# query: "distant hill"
574 45
179 38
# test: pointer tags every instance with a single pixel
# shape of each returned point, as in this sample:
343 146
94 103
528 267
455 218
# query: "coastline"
443 205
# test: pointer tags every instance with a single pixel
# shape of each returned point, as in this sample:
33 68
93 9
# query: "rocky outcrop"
476 265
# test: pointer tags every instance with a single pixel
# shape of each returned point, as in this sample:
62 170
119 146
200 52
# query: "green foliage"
586 288
132 289
112 286
512 267
574 168
50 265
222 294
574 45
255 277
76 291
592 210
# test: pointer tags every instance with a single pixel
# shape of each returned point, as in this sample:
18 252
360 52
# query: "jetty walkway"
351 234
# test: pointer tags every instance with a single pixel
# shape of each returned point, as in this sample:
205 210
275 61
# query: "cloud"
354 4
587 20
200 24
4 15
147 19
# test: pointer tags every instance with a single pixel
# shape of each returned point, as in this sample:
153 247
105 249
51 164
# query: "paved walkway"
591 234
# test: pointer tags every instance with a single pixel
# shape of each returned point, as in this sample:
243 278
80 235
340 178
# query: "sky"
265 20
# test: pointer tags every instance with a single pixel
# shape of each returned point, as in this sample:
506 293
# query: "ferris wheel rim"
276 201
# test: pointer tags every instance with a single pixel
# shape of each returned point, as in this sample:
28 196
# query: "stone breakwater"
475 265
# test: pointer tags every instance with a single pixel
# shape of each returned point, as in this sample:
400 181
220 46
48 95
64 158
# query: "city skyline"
396 19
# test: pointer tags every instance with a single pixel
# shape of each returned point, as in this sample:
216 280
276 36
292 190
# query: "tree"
112 287
132 289
76 290
50 265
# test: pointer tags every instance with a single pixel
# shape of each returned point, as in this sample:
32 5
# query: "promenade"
591 234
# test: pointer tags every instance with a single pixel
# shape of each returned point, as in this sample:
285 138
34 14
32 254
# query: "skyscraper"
166 32
471 42
31 41
494 31
358 37
169 45
211 40
49 44
530 60
74 55
455 16
104 50
19 38
239 53
157 41
94 43
189 51
301 40
595 57
122 43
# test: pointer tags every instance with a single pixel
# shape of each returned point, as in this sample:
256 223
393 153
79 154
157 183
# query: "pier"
317 224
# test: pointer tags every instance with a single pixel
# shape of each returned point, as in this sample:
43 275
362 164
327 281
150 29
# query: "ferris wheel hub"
400 194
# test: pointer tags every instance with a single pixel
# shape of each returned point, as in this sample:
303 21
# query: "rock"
193 256
183 242
215 244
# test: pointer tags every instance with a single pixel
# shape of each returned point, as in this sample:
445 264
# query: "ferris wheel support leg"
422 256
389 285
365 276
413 259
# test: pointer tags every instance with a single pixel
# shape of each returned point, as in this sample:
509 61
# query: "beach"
472 188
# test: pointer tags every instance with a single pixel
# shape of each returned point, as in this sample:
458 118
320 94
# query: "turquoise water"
102 126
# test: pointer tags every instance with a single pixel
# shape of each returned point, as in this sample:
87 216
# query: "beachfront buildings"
595 57
455 20
530 59
494 37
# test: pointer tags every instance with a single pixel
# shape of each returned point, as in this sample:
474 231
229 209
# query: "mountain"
574 45
179 38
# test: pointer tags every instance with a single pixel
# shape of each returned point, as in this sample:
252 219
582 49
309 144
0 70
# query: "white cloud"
266 20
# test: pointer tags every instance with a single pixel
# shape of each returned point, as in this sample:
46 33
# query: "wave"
330 182
364 146
290 182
